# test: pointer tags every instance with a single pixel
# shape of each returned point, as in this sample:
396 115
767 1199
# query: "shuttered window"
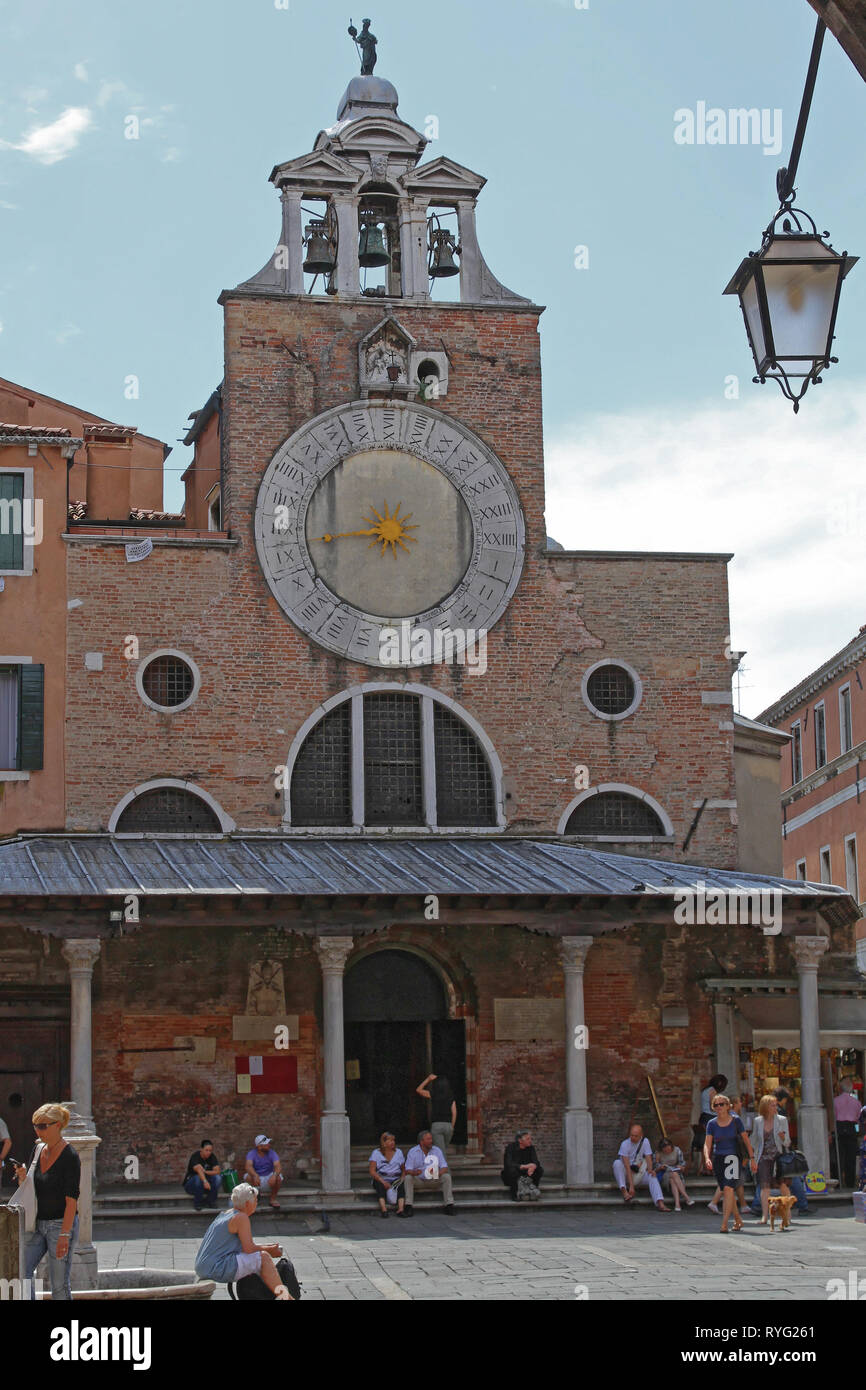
11 521
22 717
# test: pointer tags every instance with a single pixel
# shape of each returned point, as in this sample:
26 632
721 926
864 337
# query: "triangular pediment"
320 167
444 175
388 327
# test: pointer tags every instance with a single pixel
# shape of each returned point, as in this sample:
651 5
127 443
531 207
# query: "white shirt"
431 1163
633 1153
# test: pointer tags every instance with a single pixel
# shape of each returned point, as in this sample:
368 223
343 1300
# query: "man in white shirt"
634 1166
426 1163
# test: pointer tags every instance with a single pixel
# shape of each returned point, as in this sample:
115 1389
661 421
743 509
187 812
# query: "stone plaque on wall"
262 1027
528 1020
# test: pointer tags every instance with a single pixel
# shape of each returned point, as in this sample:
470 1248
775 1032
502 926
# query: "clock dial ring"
297 471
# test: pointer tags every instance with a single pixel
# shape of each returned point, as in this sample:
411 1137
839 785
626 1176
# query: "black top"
62 1180
514 1157
441 1100
206 1163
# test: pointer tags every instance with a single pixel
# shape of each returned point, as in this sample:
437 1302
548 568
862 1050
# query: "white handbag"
25 1197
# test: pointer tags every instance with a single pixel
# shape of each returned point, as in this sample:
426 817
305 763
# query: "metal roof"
274 865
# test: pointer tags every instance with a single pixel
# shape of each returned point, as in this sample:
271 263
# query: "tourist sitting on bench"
229 1253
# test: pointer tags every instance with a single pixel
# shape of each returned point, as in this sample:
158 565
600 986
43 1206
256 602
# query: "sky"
113 250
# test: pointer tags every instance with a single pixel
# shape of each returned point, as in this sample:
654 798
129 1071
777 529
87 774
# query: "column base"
336 1169
577 1147
85 1271
812 1136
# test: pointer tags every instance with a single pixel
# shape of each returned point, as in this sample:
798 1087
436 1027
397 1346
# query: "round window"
168 681
611 690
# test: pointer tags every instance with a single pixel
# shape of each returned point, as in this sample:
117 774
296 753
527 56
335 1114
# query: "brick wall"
261 677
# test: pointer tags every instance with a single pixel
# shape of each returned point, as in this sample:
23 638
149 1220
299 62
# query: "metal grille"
613 813
392 760
167 681
167 810
322 776
610 690
464 786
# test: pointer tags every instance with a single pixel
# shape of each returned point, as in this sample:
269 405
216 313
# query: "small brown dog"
781 1206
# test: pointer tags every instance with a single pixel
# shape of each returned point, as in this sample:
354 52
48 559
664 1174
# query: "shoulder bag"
25 1197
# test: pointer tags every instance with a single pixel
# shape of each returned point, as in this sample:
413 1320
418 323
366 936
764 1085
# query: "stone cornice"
845 660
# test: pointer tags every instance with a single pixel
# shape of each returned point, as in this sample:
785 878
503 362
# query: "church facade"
372 779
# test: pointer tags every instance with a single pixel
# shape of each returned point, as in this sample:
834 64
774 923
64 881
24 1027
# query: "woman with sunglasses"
722 1158
57 1180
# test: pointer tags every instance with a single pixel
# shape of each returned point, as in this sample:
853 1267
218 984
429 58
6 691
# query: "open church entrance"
397 1032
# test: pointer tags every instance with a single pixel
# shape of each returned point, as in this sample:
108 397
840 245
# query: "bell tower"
362 218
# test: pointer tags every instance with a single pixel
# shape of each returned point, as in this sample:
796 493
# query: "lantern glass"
754 323
801 283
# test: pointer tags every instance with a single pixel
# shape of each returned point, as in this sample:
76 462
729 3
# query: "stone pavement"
538 1254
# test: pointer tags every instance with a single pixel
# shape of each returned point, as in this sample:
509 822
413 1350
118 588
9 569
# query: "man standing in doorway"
426 1164
5 1146
443 1107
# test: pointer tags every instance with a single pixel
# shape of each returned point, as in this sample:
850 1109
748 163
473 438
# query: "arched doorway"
398 1030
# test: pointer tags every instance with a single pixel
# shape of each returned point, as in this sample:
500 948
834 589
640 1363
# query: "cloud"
80 71
50 143
107 90
746 476
62 335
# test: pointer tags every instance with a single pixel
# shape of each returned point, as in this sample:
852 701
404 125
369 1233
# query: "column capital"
332 952
573 950
808 950
81 953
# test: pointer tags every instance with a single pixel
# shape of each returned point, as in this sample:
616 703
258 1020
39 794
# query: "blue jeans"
35 1245
797 1187
197 1190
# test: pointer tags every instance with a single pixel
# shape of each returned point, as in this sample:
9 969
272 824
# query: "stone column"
577 1123
348 276
470 257
727 1057
332 952
293 241
84 1263
80 955
811 1115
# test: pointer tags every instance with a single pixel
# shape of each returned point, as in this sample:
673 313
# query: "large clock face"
374 515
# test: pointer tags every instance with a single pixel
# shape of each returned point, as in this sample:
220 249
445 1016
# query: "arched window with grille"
393 756
614 812
169 807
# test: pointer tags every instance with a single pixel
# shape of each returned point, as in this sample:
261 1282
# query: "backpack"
252 1288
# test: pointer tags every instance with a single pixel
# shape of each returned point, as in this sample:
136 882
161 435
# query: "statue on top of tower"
366 43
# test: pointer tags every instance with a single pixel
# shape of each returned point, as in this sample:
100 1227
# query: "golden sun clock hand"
389 530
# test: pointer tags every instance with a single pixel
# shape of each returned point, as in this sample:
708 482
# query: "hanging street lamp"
789 290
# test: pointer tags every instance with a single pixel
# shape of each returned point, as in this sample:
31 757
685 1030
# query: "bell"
371 248
320 251
443 263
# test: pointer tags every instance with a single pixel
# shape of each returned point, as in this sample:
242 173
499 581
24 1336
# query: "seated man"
634 1166
263 1167
521 1161
228 1251
203 1180
427 1163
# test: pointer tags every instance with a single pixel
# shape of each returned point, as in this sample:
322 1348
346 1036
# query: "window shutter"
11 521
30 716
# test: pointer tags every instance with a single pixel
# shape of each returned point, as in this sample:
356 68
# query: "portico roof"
250 865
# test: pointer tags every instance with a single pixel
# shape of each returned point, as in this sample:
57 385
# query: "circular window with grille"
168 681
611 689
